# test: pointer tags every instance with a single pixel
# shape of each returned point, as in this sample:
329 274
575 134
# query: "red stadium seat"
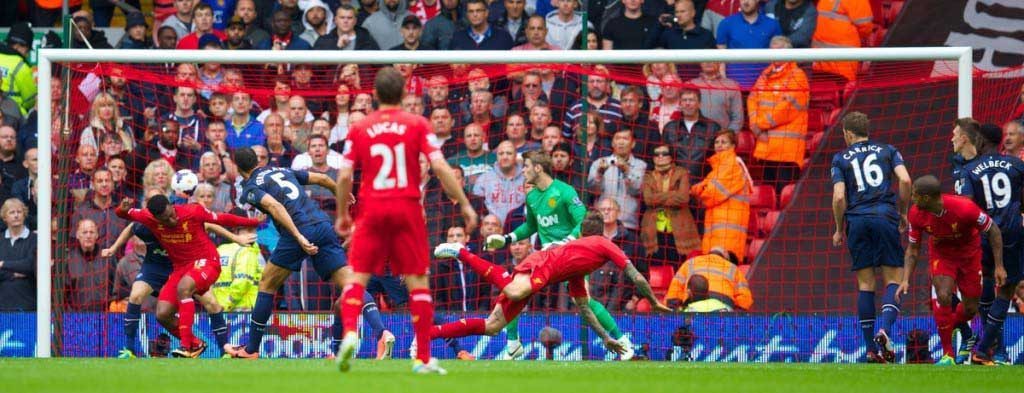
814 142
815 120
763 197
877 37
745 142
787 195
754 224
825 95
769 221
754 249
661 277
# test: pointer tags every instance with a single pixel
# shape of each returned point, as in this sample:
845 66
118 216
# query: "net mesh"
801 286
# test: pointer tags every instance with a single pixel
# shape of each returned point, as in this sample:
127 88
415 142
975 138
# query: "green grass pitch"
310 376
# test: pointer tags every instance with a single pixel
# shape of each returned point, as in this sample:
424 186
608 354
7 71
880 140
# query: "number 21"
390 161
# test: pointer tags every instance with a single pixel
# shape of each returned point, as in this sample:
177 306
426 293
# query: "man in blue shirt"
747 29
480 35
243 129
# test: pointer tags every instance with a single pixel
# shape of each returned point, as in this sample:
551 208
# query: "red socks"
186 314
945 320
422 309
494 274
460 328
350 307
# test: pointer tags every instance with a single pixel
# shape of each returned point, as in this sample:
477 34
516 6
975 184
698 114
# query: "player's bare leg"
273 278
890 310
132 318
218 325
165 315
190 345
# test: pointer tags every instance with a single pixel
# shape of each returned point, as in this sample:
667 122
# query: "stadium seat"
745 142
769 221
825 95
754 224
814 142
833 117
815 120
753 249
763 197
787 195
661 277
877 37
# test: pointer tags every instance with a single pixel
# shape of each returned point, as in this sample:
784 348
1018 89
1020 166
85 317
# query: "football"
550 337
184 181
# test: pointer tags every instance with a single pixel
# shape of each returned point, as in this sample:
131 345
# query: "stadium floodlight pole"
963 56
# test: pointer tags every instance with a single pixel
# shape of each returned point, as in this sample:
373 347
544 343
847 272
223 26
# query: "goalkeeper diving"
555 213
571 262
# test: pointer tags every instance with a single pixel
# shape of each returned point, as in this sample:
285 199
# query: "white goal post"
963 56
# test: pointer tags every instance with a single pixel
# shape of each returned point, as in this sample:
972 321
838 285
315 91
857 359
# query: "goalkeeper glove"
496 242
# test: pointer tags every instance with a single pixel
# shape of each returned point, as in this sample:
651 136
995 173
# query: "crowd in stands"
678 161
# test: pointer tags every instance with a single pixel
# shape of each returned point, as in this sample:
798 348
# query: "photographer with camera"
619 176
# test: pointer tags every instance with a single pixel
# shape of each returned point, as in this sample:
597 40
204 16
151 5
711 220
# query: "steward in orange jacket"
725 281
777 106
841 24
725 193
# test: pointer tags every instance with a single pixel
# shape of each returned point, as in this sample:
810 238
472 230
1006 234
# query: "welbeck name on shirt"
990 164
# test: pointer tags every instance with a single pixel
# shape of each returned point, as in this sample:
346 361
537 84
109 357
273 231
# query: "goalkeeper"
554 212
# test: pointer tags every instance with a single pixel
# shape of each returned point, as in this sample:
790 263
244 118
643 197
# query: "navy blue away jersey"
867 170
286 186
155 252
994 182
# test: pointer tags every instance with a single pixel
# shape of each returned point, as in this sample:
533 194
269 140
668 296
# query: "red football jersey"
576 258
954 232
387 145
187 242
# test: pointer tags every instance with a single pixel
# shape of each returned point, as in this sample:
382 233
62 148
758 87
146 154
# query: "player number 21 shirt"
387 145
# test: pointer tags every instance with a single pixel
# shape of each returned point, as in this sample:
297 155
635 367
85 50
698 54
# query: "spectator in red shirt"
202 21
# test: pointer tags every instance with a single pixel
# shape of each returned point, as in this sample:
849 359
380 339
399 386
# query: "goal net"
633 133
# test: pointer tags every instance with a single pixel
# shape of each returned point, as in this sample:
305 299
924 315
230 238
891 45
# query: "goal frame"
46 58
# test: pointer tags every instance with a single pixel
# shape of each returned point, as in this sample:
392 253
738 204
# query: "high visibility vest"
708 305
725 281
17 81
725 193
777 105
240 273
841 24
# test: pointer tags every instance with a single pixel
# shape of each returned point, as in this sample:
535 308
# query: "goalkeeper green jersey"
554 214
